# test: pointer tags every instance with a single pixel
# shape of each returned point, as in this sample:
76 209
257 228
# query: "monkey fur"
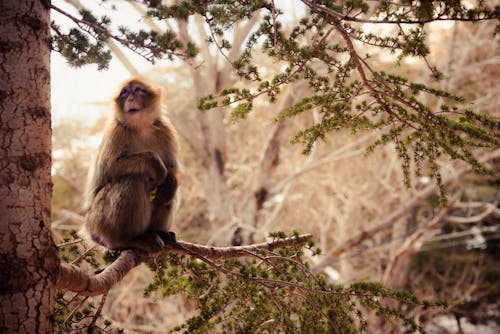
133 181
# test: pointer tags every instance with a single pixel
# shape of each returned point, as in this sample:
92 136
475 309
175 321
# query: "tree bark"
28 258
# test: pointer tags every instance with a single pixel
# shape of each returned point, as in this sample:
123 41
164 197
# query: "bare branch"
97 314
490 209
355 241
64 244
149 22
76 279
238 251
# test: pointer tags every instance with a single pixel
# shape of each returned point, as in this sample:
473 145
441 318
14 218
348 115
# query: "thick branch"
76 279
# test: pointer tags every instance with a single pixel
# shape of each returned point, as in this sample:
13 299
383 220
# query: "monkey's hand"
152 194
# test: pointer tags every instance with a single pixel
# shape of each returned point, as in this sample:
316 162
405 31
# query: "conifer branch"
75 279
149 51
318 8
359 67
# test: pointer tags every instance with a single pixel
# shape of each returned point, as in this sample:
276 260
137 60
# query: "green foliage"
72 250
274 292
344 89
152 45
76 47
349 94
267 292
87 44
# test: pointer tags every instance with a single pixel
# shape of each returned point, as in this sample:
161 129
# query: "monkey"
132 183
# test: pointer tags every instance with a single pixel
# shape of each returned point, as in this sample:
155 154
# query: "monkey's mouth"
133 110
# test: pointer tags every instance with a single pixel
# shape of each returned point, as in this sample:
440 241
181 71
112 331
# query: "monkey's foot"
150 242
167 237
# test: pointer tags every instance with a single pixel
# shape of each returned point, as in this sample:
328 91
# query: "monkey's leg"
120 216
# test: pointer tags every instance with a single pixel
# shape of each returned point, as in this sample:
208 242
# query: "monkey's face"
134 98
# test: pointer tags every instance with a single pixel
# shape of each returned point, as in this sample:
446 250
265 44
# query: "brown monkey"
133 181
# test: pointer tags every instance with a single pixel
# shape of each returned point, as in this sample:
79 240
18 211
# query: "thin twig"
358 62
98 311
81 256
75 309
214 39
273 13
64 244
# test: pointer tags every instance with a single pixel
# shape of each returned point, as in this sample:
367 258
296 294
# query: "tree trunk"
28 258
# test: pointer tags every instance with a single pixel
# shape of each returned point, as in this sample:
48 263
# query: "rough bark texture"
28 258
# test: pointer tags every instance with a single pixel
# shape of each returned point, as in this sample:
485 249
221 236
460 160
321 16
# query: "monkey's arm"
167 189
143 163
163 205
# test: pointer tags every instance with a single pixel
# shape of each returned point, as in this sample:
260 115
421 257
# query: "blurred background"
242 180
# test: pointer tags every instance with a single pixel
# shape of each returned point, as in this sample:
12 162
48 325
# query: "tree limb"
318 8
75 279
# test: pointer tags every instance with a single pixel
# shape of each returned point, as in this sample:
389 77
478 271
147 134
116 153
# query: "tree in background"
319 52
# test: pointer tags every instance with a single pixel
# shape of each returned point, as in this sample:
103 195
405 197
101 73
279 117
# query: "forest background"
369 225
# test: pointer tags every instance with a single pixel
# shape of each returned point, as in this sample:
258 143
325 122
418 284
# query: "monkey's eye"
139 90
123 92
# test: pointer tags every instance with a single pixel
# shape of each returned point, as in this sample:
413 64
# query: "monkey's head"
137 102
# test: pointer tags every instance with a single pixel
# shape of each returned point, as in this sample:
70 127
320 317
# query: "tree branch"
344 17
111 44
75 279
89 26
358 62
